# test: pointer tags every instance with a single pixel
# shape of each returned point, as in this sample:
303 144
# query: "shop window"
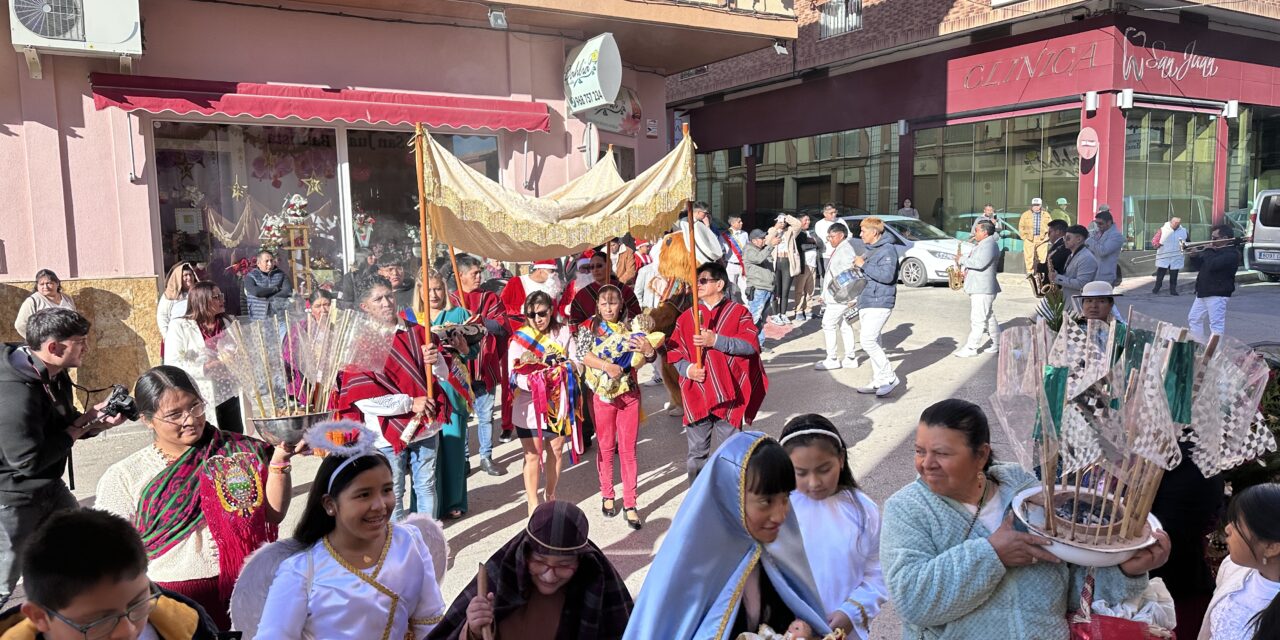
384 216
221 190
840 17
1169 158
1253 156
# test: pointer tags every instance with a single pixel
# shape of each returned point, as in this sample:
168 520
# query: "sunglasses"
539 314
707 280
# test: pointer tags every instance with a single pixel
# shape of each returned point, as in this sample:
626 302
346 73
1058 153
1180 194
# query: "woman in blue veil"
734 557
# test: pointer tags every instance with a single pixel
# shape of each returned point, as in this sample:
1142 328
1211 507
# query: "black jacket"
35 412
1217 277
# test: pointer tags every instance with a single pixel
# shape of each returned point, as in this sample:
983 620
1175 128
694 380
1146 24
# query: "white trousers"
738 280
834 327
872 323
1212 310
982 320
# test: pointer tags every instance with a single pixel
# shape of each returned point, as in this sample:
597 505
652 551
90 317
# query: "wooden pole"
693 255
424 235
482 590
457 278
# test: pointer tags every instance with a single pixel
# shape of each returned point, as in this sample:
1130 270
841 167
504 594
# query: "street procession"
640 319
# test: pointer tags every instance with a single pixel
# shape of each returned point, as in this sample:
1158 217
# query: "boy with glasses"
85 573
723 387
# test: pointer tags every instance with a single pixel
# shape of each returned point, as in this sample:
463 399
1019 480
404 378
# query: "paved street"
920 337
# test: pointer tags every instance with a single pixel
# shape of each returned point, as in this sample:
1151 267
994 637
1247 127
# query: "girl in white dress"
359 576
840 525
1245 605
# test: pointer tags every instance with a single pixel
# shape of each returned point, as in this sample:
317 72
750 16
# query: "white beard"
582 280
552 286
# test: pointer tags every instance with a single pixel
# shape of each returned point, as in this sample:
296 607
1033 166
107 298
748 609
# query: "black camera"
120 403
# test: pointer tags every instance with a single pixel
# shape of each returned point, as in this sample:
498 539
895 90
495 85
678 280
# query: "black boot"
1160 271
1173 282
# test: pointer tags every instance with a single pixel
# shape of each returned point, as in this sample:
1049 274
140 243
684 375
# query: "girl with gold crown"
358 575
545 386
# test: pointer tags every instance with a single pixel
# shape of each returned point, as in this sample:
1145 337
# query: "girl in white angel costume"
348 573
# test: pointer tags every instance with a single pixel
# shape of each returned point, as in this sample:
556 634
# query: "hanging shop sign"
621 116
592 74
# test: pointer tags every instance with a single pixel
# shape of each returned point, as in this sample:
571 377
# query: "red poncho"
404 373
735 385
583 307
491 367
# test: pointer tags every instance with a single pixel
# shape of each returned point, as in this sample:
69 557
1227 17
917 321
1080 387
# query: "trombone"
1191 248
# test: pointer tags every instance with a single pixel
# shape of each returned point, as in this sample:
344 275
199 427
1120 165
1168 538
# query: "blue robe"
694 587
451 464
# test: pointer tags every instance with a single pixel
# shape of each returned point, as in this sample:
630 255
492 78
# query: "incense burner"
286 430
1095 540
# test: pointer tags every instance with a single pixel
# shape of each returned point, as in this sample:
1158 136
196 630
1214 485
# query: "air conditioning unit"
96 28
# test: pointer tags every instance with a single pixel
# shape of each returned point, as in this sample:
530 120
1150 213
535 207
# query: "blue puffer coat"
268 293
881 269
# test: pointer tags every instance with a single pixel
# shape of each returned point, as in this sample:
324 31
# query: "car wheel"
1269 277
912 273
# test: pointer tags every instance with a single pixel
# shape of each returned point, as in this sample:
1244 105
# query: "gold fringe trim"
737 590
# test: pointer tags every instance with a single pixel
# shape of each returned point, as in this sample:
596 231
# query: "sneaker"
965 353
799 320
830 364
866 389
849 363
654 382
887 389
507 436
778 320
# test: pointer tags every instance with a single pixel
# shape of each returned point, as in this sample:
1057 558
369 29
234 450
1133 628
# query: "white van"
1262 236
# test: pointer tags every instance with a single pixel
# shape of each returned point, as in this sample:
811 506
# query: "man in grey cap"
758 256
1033 226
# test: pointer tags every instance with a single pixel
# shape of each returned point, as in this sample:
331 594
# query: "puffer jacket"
268 293
881 269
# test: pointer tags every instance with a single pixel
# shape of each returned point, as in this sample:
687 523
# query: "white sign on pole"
592 74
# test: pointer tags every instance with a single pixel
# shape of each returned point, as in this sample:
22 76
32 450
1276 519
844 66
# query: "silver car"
1262 236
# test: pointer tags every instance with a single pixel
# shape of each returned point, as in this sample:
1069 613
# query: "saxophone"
1041 283
955 274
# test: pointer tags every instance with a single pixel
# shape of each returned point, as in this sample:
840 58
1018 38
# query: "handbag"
1155 240
1086 625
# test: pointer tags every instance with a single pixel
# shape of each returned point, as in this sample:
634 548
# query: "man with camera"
38 425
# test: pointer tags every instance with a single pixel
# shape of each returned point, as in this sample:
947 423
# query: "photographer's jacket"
35 412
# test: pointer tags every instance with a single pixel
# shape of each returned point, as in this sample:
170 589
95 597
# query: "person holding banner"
722 380
487 371
546 398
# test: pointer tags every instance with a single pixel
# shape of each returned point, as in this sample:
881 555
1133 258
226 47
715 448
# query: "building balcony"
667 36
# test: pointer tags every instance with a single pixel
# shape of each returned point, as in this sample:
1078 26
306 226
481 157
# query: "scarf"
597 603
218 482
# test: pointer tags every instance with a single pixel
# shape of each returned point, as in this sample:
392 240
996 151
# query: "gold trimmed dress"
316 595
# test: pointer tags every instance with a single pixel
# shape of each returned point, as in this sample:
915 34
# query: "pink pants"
617 429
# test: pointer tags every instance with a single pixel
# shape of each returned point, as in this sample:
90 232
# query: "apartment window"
840 16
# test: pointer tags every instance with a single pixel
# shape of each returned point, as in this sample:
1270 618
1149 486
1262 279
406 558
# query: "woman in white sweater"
173 301
189 345
48 293
1246 605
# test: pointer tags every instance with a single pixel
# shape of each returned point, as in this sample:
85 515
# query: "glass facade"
1168 172
1006 162
222 187
857 169
1253 158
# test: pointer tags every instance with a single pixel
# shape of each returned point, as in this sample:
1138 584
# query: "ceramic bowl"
1032 515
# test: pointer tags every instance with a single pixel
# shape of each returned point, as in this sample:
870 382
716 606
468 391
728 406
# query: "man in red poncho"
724 392
583 306
490 369
394 400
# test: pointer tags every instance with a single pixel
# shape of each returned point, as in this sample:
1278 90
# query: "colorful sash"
553 387
218 482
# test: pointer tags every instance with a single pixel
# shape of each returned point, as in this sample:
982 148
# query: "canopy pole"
693 252
424 236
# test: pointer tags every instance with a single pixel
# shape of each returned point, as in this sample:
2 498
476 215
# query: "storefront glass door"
1168 172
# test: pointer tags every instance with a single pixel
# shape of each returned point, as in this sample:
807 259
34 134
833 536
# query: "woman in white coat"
173 301
1169 256
189 345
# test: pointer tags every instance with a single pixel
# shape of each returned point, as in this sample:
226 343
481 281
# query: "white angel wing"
250 593
433 535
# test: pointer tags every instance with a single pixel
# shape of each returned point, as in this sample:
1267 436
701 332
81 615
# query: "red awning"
210 97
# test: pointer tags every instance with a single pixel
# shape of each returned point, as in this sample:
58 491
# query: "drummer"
955 565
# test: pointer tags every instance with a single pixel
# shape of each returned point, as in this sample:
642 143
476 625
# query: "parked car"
1010 240
927 250
1239 221
1262 237
1196 213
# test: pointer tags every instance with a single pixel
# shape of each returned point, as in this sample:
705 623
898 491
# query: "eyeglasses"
103 627
216 296
183 417
564 571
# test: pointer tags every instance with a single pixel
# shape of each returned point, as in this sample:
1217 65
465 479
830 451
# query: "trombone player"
981 285
1217 261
